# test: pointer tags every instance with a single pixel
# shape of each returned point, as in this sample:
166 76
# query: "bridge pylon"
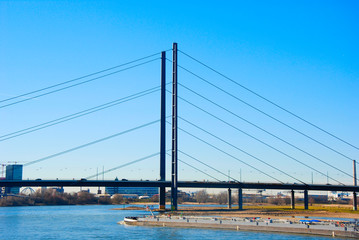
162 190
174 177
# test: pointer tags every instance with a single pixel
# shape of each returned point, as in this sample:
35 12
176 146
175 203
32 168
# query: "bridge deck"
181 184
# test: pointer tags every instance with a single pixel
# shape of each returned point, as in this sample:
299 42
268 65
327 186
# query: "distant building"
129 196
343 196
180 194
2 189
13 172
59 189
139 191
144 197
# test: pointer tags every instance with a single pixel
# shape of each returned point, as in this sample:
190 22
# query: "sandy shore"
264 211
195 217
346 230
267 213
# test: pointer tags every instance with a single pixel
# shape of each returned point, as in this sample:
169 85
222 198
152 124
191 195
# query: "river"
100 222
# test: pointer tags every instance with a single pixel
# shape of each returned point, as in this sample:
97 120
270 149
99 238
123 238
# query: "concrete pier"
240 199
347 230
306 199
229 198
292 199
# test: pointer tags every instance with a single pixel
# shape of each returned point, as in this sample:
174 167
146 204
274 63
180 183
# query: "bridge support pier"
306 199
240 199
355 201
229 198
292 199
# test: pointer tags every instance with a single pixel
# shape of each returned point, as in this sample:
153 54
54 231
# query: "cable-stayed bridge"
204 131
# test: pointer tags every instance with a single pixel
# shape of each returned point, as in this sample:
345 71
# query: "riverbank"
263 211
314 227
270 212
329 220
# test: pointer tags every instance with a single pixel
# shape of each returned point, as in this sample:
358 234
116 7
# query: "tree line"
52 197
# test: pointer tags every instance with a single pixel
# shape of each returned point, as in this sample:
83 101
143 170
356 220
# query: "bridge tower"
162 195
355 204
174 176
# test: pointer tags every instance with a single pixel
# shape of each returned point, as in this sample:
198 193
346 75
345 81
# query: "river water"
100 222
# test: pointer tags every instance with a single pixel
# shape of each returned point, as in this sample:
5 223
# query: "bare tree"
202 196
117 199
221 197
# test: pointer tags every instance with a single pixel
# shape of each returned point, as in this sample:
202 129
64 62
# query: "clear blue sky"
302 55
